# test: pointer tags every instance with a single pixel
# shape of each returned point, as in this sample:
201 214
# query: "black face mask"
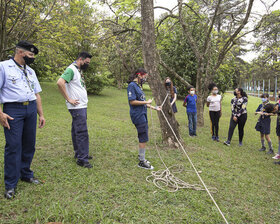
168 84
234 93
28 60
84 66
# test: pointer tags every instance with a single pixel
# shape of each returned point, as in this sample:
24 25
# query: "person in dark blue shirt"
138 112
190 104
263 124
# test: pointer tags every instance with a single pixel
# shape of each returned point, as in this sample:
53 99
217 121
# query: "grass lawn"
116 191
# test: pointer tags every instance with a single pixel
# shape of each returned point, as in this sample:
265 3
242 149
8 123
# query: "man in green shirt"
72 86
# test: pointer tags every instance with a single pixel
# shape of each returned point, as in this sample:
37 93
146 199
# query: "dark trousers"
79 133
20 142
215 118
241 123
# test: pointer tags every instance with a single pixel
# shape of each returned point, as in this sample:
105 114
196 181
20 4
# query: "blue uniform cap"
27 46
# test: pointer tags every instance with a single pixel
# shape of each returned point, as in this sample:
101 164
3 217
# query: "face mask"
264 100
28 60
142 81
279 95
168 83
192 92
234 93
84 66
215 91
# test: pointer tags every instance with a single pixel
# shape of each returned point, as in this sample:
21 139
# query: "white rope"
165 178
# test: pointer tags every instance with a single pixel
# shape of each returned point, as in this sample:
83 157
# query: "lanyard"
23 69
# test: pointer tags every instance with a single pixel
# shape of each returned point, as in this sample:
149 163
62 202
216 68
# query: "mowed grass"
116 191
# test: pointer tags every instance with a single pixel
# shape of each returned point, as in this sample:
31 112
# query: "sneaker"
277 163
217 138
227 143
147 161
262 149
270 151
214 138
277 156
84 164
145 165
240 144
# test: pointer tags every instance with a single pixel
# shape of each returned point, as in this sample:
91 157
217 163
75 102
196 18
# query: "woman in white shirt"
215 110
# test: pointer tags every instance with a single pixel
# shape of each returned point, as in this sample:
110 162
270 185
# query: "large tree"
151 64
222 22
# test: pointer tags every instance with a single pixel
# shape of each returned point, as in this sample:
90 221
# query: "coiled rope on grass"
166 180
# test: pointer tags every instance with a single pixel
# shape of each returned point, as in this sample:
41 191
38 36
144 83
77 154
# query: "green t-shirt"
68 75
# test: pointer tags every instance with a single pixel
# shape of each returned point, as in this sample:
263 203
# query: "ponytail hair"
134 75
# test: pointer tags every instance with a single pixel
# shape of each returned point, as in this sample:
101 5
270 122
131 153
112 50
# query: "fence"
258 87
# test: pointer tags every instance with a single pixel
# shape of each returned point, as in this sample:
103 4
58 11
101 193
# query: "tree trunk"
151 63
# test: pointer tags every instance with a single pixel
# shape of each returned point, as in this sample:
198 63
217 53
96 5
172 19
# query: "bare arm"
42 120
61 86
174 100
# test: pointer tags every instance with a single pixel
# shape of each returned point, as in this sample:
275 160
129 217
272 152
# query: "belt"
26 103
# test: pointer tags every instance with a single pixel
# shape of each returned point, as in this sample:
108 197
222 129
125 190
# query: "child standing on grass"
263 124
190 104
138 112
215 110
239 115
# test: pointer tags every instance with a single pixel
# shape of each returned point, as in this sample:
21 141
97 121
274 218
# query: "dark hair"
269 108
190 87
265 95
138 71
211 86
84 55
242 92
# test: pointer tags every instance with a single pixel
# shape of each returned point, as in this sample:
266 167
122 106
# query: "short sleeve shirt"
138 114
215 102
191 103
75 87
17 84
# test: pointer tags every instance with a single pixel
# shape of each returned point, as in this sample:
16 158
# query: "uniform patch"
129 94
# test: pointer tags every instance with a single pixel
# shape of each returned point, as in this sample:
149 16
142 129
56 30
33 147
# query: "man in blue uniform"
19 94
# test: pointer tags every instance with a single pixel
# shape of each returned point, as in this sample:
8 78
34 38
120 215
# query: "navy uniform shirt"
138 113
14 85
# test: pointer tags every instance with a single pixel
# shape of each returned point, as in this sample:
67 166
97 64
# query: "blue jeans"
79 133
192 116
20 142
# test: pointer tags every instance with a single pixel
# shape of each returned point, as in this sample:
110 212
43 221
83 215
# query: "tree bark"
151 63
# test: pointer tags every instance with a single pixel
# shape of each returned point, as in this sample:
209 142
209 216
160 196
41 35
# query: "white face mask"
192 92
215 91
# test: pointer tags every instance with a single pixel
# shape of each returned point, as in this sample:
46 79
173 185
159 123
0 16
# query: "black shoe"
89 157
145 165
262 149
277 163
147 161
30 180
10 193
84 164
270 151
227 143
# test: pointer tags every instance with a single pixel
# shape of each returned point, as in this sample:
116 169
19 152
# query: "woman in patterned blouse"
239 115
